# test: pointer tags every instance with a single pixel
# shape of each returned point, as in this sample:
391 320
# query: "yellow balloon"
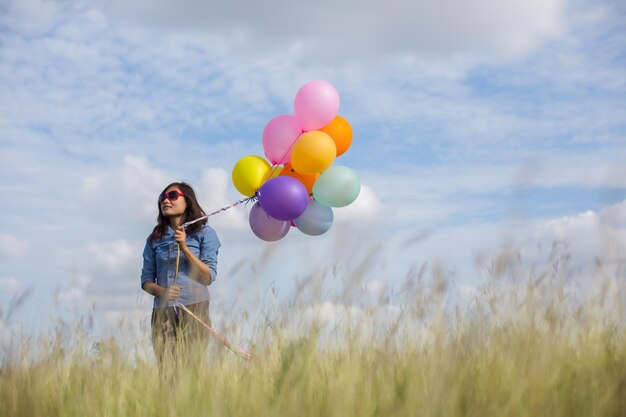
249 173
313 153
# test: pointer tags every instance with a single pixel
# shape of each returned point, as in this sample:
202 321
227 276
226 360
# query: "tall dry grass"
534 340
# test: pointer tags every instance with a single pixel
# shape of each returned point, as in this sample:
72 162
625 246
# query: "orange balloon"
313 152
307 179
341 132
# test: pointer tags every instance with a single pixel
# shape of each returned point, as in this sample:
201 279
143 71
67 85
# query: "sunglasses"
172 196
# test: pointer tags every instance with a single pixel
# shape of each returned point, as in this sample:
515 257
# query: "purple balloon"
283 198
266 228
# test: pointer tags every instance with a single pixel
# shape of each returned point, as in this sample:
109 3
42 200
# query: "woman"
174 329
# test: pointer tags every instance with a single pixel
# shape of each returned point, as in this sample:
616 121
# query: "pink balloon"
316 105
279 136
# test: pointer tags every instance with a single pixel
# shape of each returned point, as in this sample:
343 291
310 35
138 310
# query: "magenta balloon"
265 227
316 105
279 136
283 198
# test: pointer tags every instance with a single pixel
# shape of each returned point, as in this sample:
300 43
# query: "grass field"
528 343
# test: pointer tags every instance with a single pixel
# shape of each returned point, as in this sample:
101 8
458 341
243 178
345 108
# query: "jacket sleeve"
148 272
209 248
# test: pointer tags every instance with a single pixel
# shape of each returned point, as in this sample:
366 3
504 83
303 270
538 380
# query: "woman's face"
170 205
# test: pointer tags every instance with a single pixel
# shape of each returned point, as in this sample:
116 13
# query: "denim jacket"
159 264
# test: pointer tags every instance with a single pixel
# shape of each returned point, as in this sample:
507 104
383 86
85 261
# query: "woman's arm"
170 293
148 277
198 270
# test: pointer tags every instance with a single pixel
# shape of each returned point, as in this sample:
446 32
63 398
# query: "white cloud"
449 28
91 183
213 195
367 318
366 207
590 234
374 286
73 296
11 247
129 191
509 27
136 319
87 24
585 223
118 256
329 312
10 285
31 17
432 195
141 182
613 216
468 292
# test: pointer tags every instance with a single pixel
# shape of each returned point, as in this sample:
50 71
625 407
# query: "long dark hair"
193 211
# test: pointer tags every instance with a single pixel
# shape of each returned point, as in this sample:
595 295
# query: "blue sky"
475 124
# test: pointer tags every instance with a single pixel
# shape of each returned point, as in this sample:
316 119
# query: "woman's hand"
172 292
181 237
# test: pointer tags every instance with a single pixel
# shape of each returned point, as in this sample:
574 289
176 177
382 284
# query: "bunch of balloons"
297 185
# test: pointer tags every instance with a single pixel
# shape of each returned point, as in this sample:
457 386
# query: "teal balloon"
316 219
338 186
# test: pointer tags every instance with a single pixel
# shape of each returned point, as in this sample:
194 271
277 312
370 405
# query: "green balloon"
338 186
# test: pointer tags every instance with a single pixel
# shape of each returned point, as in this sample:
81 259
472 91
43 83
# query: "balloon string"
236 203
232 347
236 349
177 263
240 351
274 166
255 196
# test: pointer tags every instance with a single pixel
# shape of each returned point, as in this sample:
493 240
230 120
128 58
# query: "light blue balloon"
338 186
316 219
